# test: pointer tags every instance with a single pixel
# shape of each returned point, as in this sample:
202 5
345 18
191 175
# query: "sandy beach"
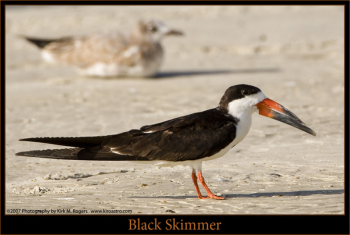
294 54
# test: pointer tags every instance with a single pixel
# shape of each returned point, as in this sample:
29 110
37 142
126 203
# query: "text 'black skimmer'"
187 140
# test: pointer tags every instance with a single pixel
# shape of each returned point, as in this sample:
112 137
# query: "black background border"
237 224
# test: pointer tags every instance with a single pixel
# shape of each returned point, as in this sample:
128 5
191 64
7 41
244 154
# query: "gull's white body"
137 53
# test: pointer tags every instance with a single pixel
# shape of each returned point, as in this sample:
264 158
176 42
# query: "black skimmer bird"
187 140
138 53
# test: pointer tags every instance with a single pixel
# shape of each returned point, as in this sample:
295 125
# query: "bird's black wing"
189 137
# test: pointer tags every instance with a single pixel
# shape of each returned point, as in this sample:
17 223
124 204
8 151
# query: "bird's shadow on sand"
192 73
172 74
274 194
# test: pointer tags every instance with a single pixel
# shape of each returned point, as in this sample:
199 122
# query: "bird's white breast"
142 67
48 57
101 69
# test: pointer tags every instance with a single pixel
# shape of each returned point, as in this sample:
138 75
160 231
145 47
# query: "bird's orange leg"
210 194
194 178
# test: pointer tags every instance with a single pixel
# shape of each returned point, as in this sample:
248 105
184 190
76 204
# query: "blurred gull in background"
138 53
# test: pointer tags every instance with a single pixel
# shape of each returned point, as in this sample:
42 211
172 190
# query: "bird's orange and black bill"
272 109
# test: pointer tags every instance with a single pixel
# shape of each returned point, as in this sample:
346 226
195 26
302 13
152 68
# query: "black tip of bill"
295 122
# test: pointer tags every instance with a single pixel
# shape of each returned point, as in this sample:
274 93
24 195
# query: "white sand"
294 54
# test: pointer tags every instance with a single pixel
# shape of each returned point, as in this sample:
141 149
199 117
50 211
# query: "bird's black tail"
80 142
92 154
71 153
41 43
85 148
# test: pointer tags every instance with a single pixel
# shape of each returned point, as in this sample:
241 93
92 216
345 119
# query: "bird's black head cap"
234 93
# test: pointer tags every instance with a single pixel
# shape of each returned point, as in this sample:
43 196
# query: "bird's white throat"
240 108
243 109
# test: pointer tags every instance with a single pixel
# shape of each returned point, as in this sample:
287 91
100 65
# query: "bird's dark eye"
152 28
245 92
